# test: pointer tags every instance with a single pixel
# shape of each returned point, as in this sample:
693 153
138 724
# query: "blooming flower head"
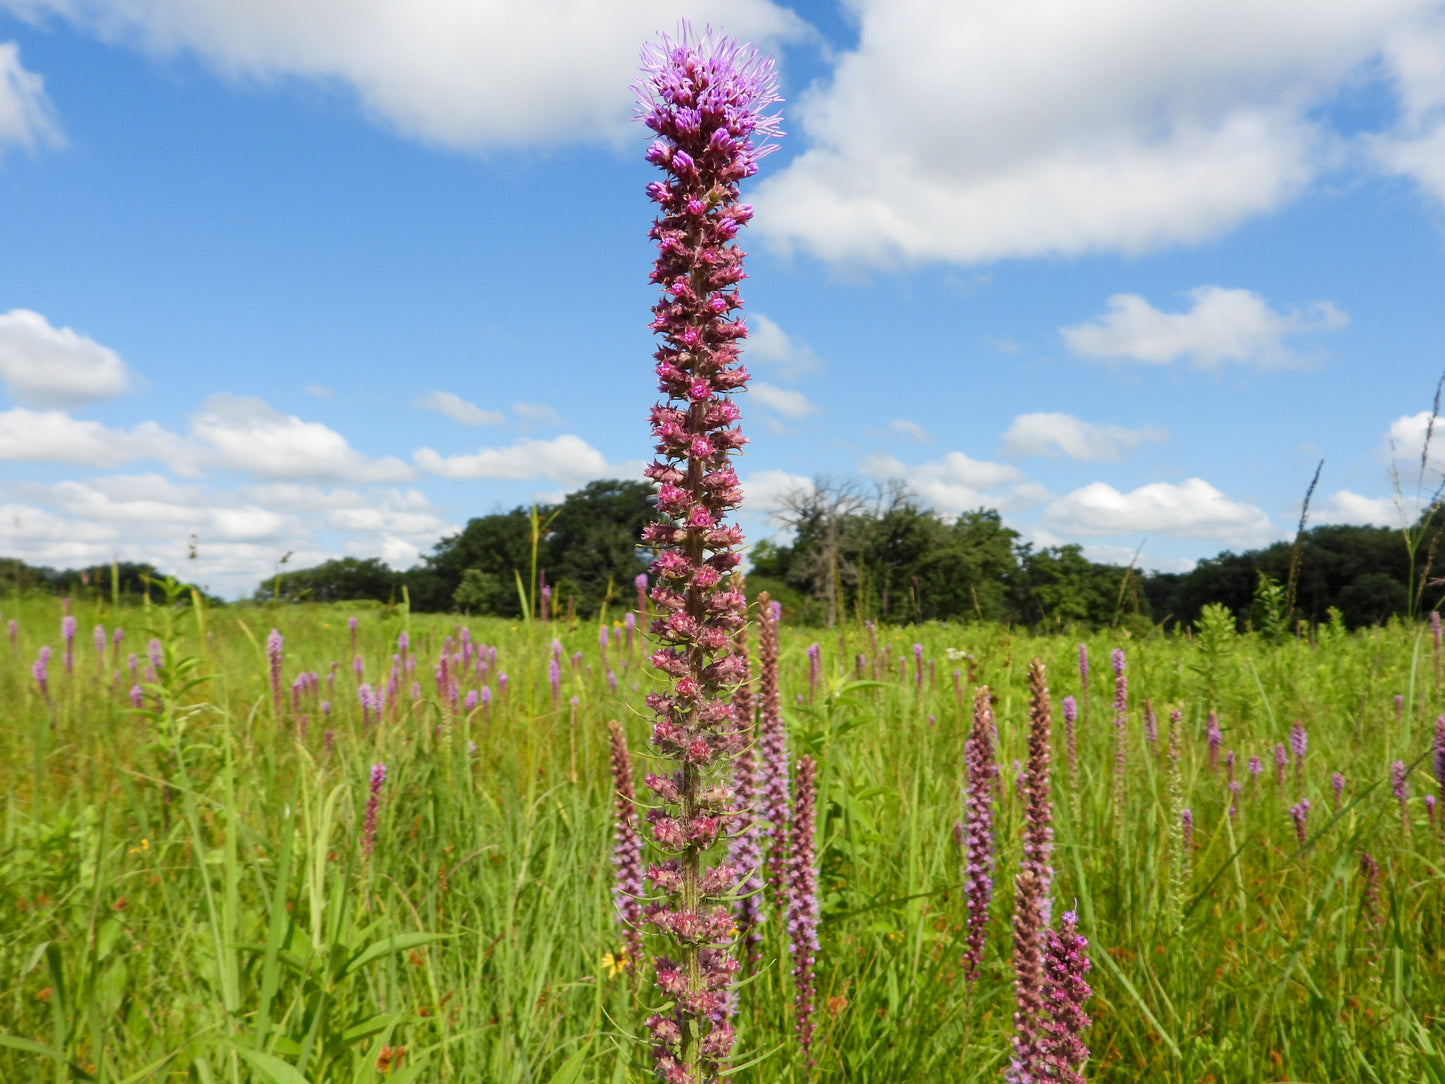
706 99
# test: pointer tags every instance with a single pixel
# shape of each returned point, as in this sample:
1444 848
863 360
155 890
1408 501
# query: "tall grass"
183 895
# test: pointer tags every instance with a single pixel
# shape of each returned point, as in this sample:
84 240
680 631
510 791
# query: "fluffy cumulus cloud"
473 74
1346 506
27 119
1223 325
1190 509
567 460
1406 442
972 132
458 409
1056 434
769 347
786 401
52 436
45 366
238 535
957 483
246 434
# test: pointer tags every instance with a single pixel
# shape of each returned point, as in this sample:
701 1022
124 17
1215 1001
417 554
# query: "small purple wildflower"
1214 736
136 695
918 668
803 902
1400 787
628 888
1281 762
67 631
273 656
1299 813
40 671
815 655
1438 757
1071 752
1256 768
1337 786
1299 743
554 678
977 829
1066 962
373 804
1121 723
1151 725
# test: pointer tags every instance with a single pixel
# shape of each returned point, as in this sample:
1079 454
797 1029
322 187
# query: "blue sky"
331 279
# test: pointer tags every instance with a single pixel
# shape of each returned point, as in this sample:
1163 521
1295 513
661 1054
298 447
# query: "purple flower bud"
1299 813
136 695
40 671
1256 767
373 804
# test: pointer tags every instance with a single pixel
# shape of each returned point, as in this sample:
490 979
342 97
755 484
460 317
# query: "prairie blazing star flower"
1071 752
706 99
1151 725
40 671
274 657
1299 813
1121 723
1031 893
1337 785
803 901
1400 787
1186 818
1066 962
136 695
1299 743
1438 758
1256 768
67 631
1214 736
373 804
977 828
100 642
627 891
1281 762
815 654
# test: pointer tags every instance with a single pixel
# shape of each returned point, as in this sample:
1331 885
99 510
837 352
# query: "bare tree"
828 517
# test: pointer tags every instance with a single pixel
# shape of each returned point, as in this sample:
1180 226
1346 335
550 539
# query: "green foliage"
345 579
183 894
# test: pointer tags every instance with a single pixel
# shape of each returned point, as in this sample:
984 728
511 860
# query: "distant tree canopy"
851 554
584 545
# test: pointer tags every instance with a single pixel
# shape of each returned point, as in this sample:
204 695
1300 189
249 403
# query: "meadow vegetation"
187 890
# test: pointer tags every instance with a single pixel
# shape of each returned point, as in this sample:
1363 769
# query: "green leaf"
274 1069
30 1046
570 1070
399 943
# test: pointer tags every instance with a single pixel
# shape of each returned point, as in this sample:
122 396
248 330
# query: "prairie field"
191 888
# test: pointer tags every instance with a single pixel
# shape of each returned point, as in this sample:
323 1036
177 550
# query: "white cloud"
27 118
239 534
52 436
537 412
957 483
1414 56
44 366
1348 507
971 132
911 429
475 74
458 409
246 434
790 404
568 460
764 490
770 347
1050 434
1191 509
1405 445
1223 326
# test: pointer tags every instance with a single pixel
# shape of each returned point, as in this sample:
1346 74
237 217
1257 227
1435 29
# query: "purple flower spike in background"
1400 787
274 657
1281 762
373 804
40 671
1066 962
136 695
628 888
1399 709
640 582
1299 813
1337 785
1121 723
803 902
100 642
977 828
1151 724
1438 759
1256 768
1299 743
815 657
1186 818
67 631
1071 752
1214 736
12 629
706 98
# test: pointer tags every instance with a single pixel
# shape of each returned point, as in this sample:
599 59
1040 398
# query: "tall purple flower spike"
706 98
627 892
803 901
373 804
982 768
1031 893
1066 962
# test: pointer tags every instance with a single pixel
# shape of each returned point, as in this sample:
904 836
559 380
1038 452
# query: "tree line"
856 555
